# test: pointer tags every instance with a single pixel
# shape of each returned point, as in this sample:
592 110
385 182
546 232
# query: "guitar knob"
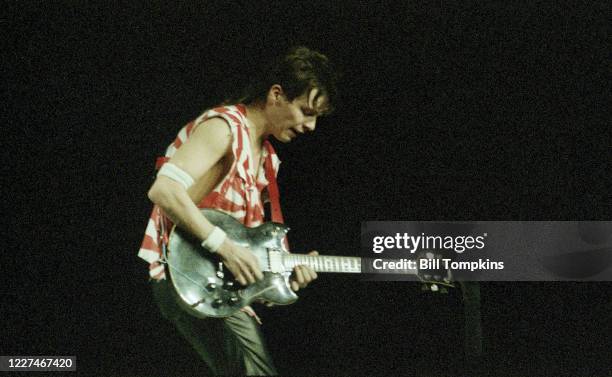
234 300
229 284
211 286
218 302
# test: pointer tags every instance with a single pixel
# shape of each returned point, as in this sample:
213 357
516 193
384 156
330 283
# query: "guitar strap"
273 194
277 214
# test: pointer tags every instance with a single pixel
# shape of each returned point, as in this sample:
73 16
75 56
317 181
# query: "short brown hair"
297 72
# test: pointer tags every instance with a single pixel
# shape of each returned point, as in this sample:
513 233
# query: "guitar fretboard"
329 263
323 263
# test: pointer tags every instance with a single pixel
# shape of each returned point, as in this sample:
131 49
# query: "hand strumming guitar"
241 262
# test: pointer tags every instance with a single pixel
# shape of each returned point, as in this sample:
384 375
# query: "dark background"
488 112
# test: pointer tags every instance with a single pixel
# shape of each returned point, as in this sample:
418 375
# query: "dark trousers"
231 346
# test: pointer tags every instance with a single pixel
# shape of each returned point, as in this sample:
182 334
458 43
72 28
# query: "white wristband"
214 240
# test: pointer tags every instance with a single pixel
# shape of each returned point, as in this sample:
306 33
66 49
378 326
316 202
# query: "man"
223 160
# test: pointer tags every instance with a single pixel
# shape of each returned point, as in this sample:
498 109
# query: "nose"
310 126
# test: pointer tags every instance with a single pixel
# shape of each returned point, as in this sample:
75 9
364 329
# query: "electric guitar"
206 289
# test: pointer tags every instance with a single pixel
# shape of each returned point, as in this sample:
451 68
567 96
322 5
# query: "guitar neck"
323 263
329 263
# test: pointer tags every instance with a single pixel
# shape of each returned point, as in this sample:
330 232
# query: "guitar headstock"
432 273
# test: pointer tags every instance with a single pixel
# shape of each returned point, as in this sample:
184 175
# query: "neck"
257 122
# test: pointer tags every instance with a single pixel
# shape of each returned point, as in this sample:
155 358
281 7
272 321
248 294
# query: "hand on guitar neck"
302 275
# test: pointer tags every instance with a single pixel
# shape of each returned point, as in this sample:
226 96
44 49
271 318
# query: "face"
289 119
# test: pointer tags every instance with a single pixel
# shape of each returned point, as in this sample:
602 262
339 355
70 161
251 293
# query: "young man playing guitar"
223 161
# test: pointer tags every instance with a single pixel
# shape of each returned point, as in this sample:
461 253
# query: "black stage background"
488 112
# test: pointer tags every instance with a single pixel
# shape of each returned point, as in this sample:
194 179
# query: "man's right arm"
208 143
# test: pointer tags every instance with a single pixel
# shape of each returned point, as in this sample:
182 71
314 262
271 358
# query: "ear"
275 94
313 96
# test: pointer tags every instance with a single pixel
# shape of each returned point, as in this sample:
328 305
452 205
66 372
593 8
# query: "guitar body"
206 289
